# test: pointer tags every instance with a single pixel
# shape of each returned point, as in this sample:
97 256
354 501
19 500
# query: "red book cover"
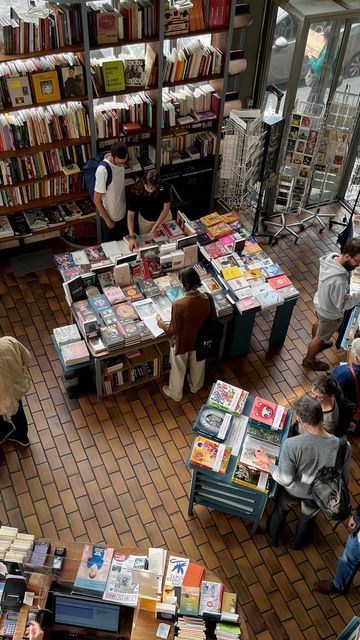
215 103
279 282
193 576
268 413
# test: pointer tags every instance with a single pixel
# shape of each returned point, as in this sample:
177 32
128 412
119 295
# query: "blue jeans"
348 563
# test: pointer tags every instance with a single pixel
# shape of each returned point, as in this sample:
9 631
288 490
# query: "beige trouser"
145 226
178 369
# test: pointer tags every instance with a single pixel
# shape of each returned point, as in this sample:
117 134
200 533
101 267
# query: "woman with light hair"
348 376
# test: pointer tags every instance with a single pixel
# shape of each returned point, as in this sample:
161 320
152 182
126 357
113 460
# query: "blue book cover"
99 302
94 568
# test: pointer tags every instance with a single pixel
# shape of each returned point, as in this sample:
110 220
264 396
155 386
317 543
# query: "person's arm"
317 64
341 300
130 225
34 631
162 217
284 472
102 211
168 327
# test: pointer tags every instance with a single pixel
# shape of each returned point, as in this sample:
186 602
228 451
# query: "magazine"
119 586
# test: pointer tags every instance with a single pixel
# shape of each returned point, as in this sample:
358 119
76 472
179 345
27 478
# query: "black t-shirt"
149 205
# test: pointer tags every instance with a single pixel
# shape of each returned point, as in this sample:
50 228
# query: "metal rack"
241 161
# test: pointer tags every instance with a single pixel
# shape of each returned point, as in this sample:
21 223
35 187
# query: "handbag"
310 78
357 414
209 337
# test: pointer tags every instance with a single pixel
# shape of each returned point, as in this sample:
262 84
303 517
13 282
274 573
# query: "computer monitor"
91 614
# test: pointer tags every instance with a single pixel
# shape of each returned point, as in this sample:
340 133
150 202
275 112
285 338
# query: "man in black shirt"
150 198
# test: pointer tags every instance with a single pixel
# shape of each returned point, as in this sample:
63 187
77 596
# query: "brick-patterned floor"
114 472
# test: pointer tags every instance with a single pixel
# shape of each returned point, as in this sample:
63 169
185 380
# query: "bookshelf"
155 136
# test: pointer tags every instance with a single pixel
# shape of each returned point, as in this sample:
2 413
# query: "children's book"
210 597
210 455
252 478
279 282
267 413
94 569
226 397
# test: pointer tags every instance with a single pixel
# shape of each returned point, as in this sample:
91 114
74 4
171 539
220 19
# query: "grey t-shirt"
300 459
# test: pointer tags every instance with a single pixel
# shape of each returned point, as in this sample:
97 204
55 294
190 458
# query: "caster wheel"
330 225
344 219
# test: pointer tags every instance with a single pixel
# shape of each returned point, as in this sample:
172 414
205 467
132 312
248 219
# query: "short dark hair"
326 385
351 247
189 278
152 178
309 410
119 150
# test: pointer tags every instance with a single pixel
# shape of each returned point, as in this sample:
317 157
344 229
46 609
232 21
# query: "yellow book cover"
70 169
231 216
231 272
251 274
46 86
251 247
113 74
211 219
229 602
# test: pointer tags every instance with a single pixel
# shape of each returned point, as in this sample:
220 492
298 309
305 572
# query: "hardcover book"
46 86
220 230
106 27
279 282
66 334
94 569
19 91
289 292
228 398
263 433
189 601
213 422
73 81
132 293
193 575
125 311
211 285
75 353
273 270
36 219
209 454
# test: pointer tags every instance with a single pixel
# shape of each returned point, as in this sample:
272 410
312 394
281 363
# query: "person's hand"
132 244
158 319
153 233
34 631
351 523
110 223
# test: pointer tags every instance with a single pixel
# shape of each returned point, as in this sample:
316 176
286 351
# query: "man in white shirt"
109 195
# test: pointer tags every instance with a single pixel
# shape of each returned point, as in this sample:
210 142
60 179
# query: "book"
272 270
253 478
114 294
229 602
265 412
211 219
70 169
5 227
152 325
289 292
227 631
248 304
229 273
36 219
213 423
264 433
73 84
120 587
106 279
144 308
132 293
99 302
210 455
113 74
279 282
193 575
134 72
172 229
19 225
176 570
106 27
46 86
97 344
228 398
148 287
75 353
66 334
125 311
174 293
211 285
252 453
210 597
94 569
112 336
74 289
189 601
96 254
19 91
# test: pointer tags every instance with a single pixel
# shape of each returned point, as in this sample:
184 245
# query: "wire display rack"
241 161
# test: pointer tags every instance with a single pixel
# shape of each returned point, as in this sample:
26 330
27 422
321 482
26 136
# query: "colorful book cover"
229 273
213 422
172 229
75 353
247 304
108 316
132 292
289 292
99 302
94 568
148 287
215 250
211 285
229 217
252 478
251 274
113 75
252 453
268 413
174 293
64 261
273 270
125 311
189 601
194 575
251 247
106 279
219 230
176 570
210 455
228 398
211 219
279 282
211 597
263 433
114 294
96 254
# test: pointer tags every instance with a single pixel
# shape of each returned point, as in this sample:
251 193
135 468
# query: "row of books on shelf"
114 119
109 23
43 125
181 104
111 75
148 369
192 61
42 163
13 196
41 80
187 146
22 224
31 31
223 430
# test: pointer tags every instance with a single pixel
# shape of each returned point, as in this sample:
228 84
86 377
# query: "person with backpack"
188 315
300 460
348 564
109 193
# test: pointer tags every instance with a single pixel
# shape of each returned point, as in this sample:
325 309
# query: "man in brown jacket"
188 315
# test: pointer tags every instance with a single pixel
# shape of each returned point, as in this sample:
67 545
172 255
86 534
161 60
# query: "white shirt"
114 197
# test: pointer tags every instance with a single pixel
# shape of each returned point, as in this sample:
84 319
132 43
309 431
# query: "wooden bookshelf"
144 131
44 202
22 183
68 142
10 109
10 57
179 83
126 92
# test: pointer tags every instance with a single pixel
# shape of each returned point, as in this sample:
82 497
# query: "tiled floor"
114 471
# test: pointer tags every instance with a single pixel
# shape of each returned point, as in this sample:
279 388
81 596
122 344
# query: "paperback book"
120 587
176 570
252 455
267 413
65 335
252 478
94 569
125 311
189 601
74 353
210 597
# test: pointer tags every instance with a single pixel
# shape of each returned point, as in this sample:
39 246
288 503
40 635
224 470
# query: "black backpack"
209 337
329 488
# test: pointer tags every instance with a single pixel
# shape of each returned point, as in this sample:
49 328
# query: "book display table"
218 491
67 605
